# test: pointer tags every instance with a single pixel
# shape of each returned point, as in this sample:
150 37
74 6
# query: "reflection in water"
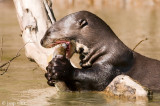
76 98
92 98
131 26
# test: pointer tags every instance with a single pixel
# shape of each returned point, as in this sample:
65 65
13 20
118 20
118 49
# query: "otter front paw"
59 68
49 74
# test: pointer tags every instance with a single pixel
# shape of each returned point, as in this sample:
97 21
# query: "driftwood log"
35 17
124 86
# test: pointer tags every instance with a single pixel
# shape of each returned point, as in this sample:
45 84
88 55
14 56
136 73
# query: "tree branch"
1 48
9 62
139 43
48 7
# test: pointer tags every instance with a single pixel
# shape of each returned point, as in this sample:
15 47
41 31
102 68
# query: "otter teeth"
64 45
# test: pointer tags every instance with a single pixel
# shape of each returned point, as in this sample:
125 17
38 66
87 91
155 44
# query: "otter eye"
82 23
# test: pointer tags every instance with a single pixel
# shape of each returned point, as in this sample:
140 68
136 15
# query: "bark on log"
124 86
35 17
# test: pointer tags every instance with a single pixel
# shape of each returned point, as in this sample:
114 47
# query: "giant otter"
108 56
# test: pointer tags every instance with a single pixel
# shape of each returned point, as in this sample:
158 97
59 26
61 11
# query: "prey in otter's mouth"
69 49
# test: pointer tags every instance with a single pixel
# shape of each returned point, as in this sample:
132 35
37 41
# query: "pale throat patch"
79 46
75 58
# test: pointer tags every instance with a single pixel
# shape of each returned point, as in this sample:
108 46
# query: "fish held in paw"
60 50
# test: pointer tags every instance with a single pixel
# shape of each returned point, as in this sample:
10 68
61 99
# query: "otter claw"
85 65
51 82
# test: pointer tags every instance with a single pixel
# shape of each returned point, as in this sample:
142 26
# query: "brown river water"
24 82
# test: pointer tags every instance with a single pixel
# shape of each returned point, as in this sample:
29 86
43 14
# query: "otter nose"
41 42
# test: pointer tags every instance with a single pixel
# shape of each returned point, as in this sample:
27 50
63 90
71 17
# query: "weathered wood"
123 86
35 17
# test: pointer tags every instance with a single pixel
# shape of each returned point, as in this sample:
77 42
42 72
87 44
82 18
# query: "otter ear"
82 22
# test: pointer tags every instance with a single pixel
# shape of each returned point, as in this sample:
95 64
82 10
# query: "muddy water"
24 83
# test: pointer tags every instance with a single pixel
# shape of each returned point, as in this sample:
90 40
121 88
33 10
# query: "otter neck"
122 57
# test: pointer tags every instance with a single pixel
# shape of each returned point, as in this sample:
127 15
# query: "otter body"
107 56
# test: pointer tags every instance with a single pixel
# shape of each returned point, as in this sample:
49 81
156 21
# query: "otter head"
83 27
91 34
